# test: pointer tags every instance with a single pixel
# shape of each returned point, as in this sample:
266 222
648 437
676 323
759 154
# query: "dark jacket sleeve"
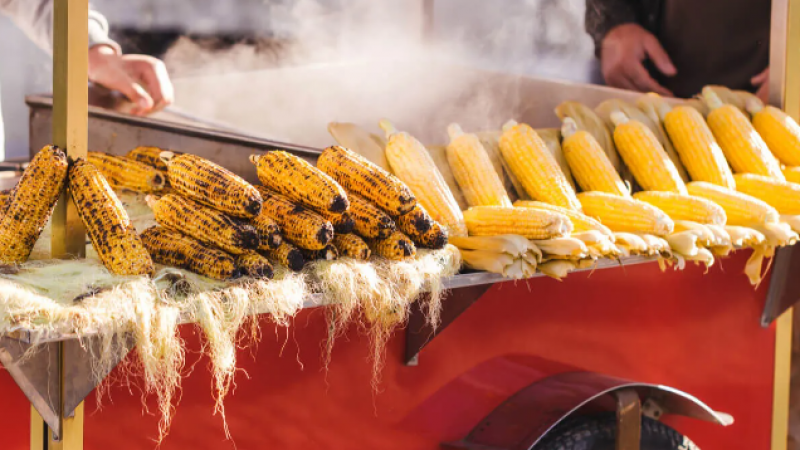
603 15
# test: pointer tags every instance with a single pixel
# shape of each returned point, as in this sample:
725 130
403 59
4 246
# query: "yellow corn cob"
645 156
415 221
532 163
792 174
580 221
254 265
358 140
370 221
106 221
150 156
351 246
699 151
552 140
302 227
435 238
30 204
491 142
529 222
589 164
396 247
474 171
287 255
328 253
300 182
740 209
172 248
439 156
413 165
212 185
781 195
342 223
125 173
588 120
625 214
5 196
269 232
779 131
740 142
207 225
356 174
684 207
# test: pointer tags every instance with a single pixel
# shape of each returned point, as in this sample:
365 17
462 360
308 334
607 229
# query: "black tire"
597 432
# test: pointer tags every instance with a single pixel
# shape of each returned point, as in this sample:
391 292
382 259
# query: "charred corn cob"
207 225
5 196
299 225
30 204
269 232
254 265
328 253
413 165
684 207
645 157
125 173
351 246
535 167
781 195
150 156
172 248
342 223
396 247
792 174
779 131
435 238
625 214
474 171
106 222
300 182
589 164
529 222
370 221
212 185
740 142
288 255
580 222
356 174
740 209
415 221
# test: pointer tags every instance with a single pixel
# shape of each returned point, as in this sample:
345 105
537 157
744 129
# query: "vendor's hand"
762 82
624 49
143 79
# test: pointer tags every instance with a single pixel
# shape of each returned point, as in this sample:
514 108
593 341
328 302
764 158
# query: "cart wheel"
597 432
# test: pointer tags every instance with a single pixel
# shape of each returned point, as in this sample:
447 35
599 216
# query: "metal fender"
526 417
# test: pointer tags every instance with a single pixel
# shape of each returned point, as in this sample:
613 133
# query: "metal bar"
629 419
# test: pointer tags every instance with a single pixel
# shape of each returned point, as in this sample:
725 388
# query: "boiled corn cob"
342 223
30 204
792 174
413 165
212 185
269 232
590 166
351 246
580 222
435 238
684 207
779 131
300 182
415 221
491 142
106 221
125 173
474 171
207 225
150 156
535 167
299 225
438 154
370 221
173 248
395 247
529 222
625 214
252 264
552 140
328 253
781 195
587 120
287 255
740 209
356 174
740 142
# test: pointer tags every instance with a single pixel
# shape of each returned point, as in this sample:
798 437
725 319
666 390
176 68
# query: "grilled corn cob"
207 225
358 140
435 238
30 204
645 156
328 253
212 185
125 173
580 222
589 164
740 209
792 174
740 142
351 246
528 222
106 222
5 196
269 232
474 171
288 255
172 248
342 223
299 225
415 221
370 221
413 165
684 207
254 265
779 131
356 174
300 182
150 156
625 214
395 247
781 195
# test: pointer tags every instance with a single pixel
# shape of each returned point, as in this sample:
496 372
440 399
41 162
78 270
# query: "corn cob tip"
618 118
710 98
387 127
568 127
254 159
753 104
510 124
151 200
166 156
454 130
